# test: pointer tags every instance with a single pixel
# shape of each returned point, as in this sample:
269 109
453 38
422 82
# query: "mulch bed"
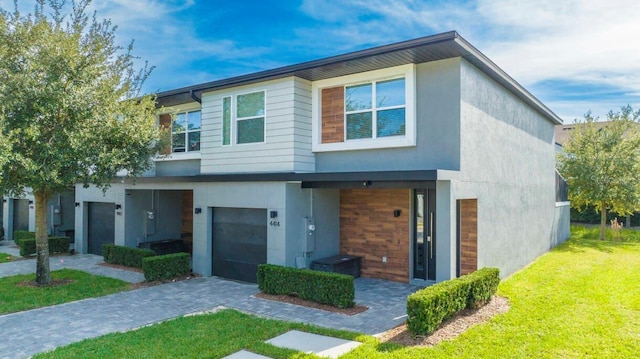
356 309
449 329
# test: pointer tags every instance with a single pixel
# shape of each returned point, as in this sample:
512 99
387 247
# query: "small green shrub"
429 307
27 247
166 266
126 256
18 236
56 245
322 287
484 284
59 244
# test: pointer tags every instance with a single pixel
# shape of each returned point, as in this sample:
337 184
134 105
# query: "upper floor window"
367 110
243 118
375 109
185 132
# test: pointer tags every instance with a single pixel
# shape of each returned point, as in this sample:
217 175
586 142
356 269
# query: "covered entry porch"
406 226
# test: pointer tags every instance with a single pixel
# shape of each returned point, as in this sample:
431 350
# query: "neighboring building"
422 157
19 214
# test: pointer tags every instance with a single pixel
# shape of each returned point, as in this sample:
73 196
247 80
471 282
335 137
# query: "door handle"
431 235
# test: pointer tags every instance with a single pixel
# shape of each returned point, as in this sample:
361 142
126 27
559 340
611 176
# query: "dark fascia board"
424 49
298 69
317 177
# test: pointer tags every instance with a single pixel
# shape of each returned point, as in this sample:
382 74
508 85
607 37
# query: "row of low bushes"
126 256
56 245
166 266
18 236
429 307
322 287
153 266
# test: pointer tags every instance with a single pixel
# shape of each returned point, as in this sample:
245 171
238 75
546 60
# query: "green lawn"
4 257
581 300
15 297
204 336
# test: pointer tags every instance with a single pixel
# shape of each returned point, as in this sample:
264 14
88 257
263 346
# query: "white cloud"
587 42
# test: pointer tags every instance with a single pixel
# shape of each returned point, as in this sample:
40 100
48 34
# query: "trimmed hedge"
322 287
18 236
429 307
484 284
56 245
166 266
126 256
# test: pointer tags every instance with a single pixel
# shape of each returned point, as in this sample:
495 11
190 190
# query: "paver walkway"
71 322
84 262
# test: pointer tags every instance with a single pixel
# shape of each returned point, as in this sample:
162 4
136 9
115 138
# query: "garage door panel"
239 242
101 226
20 214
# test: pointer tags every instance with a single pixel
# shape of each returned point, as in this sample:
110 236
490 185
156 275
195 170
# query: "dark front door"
239 242
424 230
101 226
20 214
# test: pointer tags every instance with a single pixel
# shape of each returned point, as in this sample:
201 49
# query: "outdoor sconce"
366 183
30 202
4 200
118 206
397 212
77 204
197 210
273 214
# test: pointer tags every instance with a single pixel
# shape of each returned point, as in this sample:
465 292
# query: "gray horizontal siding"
287 144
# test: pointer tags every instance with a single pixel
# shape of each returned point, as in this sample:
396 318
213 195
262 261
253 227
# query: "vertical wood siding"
369 229
468 236
332 114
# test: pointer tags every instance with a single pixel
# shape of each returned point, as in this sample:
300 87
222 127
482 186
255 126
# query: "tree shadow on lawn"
578 245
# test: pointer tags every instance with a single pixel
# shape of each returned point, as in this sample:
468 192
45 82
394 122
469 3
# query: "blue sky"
574 55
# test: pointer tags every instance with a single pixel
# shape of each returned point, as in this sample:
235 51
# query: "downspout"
194 97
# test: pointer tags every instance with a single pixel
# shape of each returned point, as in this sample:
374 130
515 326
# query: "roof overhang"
380 179
424 49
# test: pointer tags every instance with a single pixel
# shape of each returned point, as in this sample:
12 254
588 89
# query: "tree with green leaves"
71 108
601 164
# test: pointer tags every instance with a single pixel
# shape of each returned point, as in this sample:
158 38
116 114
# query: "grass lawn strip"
16 296
4 257
581 300
202 336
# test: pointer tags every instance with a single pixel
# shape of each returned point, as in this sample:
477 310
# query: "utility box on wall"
309 242
56 215
149 222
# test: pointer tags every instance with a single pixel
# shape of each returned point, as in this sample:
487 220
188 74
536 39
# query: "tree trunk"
603 221
43 273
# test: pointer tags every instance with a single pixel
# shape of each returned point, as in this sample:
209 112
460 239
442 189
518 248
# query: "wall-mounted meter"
309 242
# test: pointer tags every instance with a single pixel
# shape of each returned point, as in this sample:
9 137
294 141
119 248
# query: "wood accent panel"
368 229
333 115
468 236
187 220
164 121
